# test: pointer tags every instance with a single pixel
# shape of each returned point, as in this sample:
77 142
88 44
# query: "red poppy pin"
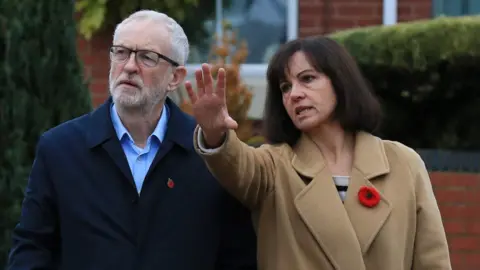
170 183
368 196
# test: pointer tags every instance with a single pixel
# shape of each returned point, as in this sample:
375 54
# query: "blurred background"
421 57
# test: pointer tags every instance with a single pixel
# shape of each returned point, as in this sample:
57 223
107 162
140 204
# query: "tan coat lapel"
370 161
344 232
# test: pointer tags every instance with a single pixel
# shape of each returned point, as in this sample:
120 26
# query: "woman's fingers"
207 79
200 83
221 84
191 93
204 80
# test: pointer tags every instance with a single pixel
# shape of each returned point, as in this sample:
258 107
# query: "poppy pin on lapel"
170 183
368 196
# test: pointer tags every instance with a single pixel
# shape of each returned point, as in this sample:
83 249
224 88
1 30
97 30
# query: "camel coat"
303 224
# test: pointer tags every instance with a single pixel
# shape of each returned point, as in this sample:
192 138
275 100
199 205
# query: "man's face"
134 82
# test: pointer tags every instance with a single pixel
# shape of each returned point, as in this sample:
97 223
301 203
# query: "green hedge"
42 86
416 45
427 74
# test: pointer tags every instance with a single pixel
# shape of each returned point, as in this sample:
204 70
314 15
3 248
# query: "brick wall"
458 197
326 16
94 55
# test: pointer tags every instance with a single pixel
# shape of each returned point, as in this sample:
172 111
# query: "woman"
327 193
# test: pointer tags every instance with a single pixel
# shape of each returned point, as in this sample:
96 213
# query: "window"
455 7
263 24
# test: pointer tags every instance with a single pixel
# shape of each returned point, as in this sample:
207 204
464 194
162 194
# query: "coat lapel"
370 162
102 132
322 210
114 149
339 228
179 132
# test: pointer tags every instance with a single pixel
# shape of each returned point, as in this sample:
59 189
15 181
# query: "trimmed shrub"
427 74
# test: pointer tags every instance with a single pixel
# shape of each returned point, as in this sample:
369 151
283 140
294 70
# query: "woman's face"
308 95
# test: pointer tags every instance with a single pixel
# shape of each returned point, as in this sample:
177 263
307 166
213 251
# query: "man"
121 187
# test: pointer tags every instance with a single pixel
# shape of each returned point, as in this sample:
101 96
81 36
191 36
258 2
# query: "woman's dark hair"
357 108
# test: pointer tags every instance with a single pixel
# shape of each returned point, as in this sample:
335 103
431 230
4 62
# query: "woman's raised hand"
210 105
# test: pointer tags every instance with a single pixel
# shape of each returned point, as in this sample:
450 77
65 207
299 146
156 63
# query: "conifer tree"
42 86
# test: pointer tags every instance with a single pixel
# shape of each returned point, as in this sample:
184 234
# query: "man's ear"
178 77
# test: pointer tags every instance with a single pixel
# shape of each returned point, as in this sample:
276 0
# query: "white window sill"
246 70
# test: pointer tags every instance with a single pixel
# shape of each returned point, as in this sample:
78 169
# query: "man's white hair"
179 42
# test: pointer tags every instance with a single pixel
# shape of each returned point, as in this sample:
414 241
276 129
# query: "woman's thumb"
230 123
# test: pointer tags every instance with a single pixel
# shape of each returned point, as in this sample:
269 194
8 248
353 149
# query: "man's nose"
131 64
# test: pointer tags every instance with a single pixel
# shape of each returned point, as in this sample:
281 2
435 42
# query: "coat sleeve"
248 173
35 239
431 248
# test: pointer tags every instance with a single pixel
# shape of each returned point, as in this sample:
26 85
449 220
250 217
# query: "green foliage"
427 76
104 14
93 15
42 86
414 45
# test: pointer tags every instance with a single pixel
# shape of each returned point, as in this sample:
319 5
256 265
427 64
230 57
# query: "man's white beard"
142 100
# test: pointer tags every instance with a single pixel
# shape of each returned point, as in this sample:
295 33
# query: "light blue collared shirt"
140 159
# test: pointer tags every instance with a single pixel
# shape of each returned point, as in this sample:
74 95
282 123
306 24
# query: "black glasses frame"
160 56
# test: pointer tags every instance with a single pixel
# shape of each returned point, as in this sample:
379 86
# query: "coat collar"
369 156
341 228
179 128
122 132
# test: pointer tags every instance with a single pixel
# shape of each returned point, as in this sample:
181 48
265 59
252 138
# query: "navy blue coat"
82 211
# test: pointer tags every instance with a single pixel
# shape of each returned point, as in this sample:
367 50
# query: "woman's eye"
285 87
307 78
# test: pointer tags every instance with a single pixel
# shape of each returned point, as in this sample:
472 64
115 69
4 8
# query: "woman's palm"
209 105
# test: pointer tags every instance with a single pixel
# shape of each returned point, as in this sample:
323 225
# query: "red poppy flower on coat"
170 183
368 196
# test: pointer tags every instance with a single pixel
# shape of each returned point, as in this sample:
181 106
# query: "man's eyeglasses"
145 57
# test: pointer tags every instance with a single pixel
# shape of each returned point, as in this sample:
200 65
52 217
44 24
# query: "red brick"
100 71
309 3
450 211
404 11
457 259
342 23
99 86
369 22
357 10
87 57
448 179
459 195
473 227
310 12
310 21
83 45
455 227
410 10
99 99
469 243
472 260
327 16
422 10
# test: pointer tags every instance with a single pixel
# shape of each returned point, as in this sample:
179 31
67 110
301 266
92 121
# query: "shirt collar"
158 132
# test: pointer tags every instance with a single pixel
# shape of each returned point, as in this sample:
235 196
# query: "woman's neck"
335 144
